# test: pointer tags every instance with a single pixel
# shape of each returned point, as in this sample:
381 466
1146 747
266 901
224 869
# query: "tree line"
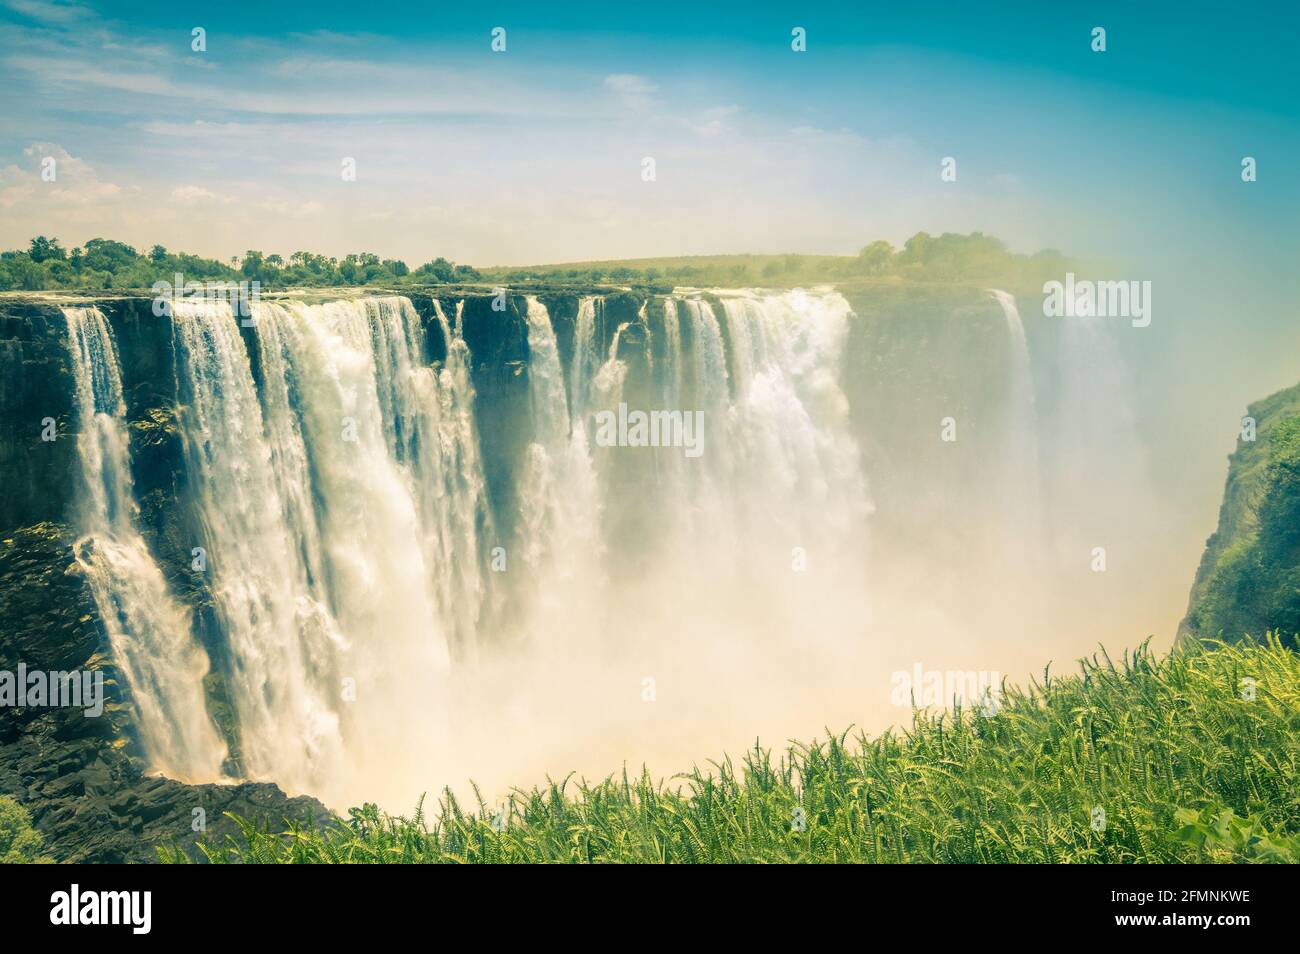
950 257
106 264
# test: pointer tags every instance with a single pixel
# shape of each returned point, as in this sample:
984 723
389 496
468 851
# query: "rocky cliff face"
35 389
85 780
915 357
1248 583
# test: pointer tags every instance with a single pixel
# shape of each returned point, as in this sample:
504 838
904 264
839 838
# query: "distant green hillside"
943 258
1249 579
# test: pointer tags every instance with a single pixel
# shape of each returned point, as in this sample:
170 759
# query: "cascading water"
671 471
361 408
788 423
559 508
459 505
672 365
148 630
586 361
607 387
265 554
1021 477
367 648
706 513
339 483
430 425
344 504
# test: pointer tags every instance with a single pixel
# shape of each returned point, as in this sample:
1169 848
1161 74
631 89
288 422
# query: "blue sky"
535 154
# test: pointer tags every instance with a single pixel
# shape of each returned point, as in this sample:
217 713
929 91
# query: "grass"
1192 758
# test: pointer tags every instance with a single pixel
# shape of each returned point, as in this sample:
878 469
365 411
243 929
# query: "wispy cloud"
197 195
632 91
48 11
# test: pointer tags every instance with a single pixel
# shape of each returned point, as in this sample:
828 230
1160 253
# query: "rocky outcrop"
84 779
1248 583
35 393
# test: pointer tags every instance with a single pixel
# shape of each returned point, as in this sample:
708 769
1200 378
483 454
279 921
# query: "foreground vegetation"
20 843
1191 758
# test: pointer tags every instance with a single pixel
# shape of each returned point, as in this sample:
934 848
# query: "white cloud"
16 185
192 194
296 210
74 180
633 91
713 122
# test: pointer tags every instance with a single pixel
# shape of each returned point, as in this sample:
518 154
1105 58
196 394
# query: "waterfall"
458 506
585 361
265 554
670 467
710 358
1020 475
147 629
607 387
344 502
789 432
428 416
362 396
559 509
706 514
338 484
671 383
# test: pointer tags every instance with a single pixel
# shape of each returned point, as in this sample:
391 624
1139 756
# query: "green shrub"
20 843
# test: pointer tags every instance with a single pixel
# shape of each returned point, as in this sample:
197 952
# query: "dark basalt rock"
83 779
35 384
